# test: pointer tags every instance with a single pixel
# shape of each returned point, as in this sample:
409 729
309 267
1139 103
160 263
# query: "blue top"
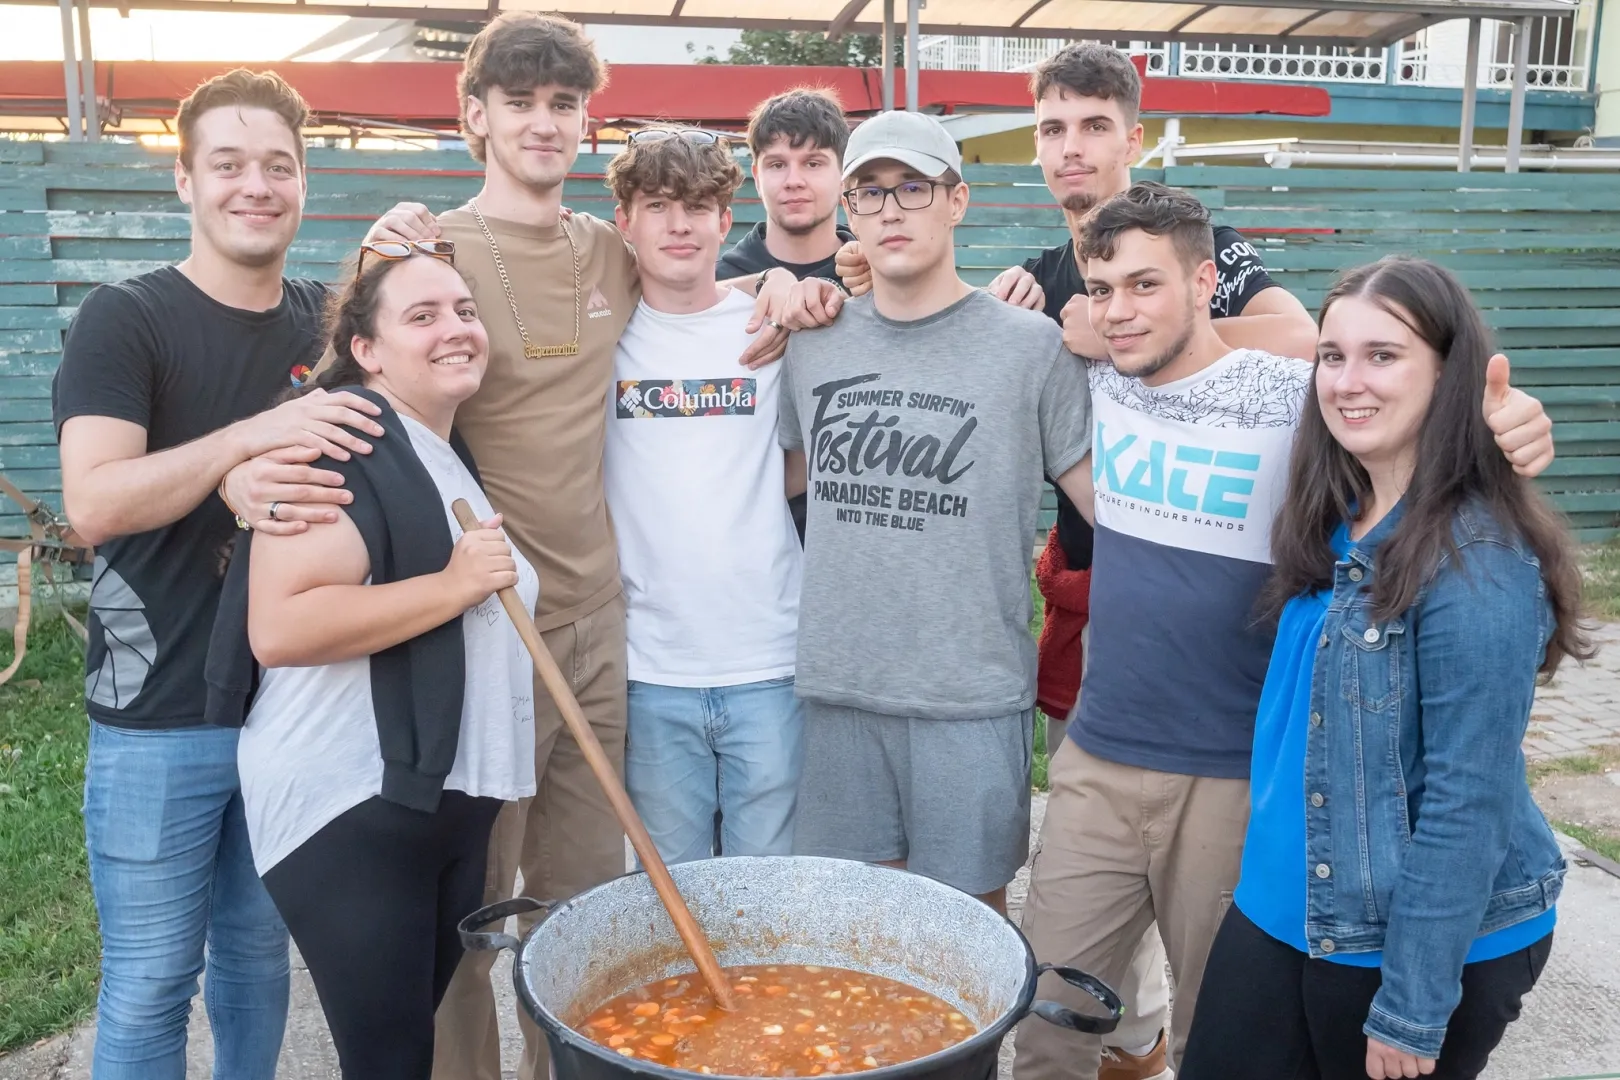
1271 889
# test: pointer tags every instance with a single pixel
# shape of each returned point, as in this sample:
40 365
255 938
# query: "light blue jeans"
174 880
732 750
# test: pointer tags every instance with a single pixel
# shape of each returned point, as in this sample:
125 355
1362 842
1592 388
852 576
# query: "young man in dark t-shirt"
797 142
163 387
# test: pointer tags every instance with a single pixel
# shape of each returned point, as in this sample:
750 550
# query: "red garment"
1068 609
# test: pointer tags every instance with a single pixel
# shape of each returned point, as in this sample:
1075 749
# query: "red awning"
424 94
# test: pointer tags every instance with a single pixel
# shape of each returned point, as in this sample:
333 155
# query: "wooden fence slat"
27 294
1376 179
1541 253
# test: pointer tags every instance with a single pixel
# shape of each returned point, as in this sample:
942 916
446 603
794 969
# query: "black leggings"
1268 1010
372 901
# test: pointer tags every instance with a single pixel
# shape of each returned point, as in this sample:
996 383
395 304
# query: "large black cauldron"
797 910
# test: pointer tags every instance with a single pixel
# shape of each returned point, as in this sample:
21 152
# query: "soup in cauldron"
790 1020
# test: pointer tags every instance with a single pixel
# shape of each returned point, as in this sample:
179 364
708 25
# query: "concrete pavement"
1570 1026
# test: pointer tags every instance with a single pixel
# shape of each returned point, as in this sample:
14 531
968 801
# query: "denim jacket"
1420 832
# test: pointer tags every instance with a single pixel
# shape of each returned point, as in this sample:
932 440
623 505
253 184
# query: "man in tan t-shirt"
554 291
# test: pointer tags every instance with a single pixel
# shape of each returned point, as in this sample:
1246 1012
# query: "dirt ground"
1590 799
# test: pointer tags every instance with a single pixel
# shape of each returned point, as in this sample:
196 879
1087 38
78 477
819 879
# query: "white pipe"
1172 139
1521 72
913 59
87 69
70 73
1283 159
1465 134
888 55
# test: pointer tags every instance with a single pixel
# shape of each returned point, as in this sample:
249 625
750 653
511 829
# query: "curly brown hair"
678 168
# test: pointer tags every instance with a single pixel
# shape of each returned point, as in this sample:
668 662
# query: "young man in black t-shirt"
163 387
797 142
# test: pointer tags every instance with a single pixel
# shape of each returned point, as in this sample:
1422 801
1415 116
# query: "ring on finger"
773 324
273 508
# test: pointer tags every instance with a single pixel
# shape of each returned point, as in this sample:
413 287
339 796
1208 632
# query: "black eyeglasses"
911 195
695 136
404 249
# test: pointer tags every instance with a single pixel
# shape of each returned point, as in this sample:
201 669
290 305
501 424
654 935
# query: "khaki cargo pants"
1121 847
564 840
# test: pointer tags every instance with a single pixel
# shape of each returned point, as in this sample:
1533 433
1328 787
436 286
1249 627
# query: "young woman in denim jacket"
1398 885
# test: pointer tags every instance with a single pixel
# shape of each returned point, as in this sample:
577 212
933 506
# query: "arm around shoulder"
1273 321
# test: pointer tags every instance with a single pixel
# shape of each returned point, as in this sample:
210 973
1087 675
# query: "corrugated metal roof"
1336 22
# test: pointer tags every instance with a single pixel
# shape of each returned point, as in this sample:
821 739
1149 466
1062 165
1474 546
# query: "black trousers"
372 901
1268 1010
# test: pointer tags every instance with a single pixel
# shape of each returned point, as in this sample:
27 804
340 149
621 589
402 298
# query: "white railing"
1418 70
1560 57
1018 54
1284 63
1437 56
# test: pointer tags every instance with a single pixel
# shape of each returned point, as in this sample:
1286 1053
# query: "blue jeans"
732 750
173 877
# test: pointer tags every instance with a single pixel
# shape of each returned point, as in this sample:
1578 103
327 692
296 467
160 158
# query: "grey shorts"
949 797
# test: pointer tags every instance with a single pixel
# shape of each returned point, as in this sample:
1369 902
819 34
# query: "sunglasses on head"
404 249
695 136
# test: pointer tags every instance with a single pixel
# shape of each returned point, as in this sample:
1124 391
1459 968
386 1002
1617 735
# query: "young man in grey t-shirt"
928 412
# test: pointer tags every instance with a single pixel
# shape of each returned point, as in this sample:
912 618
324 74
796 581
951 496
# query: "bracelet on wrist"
241 523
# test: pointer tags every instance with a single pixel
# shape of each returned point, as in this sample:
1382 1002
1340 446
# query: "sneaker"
1118 1065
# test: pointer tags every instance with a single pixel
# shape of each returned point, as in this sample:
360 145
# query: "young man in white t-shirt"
698 488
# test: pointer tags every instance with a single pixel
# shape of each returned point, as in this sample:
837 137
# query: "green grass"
1602 563
49 948
1598 760
1594 840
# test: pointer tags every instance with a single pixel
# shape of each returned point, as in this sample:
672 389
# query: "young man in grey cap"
929 412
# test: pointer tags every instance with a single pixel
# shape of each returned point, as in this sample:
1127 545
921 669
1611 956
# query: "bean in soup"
790 1020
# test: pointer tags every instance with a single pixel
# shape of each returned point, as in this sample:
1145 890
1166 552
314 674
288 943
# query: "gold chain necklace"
531 351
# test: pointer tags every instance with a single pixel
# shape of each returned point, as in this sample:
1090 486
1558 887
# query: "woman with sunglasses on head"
394 713
1398 886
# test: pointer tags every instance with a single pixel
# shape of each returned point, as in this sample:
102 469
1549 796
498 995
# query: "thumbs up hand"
1519 422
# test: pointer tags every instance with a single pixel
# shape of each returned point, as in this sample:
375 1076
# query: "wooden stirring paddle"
580 728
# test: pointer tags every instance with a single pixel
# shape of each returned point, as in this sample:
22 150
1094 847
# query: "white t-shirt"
309 751
710 559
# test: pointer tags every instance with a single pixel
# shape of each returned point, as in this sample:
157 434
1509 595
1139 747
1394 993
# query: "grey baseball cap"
916 140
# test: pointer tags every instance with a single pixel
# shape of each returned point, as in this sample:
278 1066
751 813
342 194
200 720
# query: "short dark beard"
1163 360
801 230
1079 203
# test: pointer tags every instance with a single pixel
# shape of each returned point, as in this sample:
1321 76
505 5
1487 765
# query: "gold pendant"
540 352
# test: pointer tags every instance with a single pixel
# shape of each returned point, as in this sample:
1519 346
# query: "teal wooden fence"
1540 251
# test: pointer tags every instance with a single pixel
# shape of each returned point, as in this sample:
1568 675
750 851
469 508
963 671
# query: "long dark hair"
352 312
1457 460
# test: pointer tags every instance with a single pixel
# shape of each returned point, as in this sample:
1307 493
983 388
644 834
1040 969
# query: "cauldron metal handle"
1064 1017
475 940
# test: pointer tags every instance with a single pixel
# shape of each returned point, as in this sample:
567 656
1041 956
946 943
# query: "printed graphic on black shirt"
869 460
642 399
148 351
